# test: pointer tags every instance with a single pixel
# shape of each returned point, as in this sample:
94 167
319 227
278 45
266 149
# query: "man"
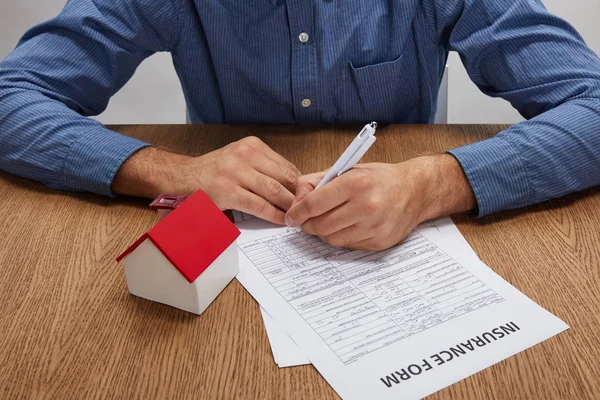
301 61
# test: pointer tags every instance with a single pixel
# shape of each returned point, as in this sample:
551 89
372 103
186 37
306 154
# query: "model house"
188 258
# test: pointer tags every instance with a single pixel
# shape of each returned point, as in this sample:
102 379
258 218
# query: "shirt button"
306 103
303 37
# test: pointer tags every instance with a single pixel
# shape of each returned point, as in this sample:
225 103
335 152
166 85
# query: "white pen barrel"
345 160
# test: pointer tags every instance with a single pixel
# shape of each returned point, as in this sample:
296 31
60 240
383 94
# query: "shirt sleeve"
517 50
67 69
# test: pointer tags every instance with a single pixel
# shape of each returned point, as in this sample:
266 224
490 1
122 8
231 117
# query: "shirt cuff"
94 159
496 173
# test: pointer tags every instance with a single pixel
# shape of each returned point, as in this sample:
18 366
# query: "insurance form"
399 323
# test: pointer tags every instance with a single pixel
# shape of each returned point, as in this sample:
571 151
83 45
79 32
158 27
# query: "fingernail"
289 221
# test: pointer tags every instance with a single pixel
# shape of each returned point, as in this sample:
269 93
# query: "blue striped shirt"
259 61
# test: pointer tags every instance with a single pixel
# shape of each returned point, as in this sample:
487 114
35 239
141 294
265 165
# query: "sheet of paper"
285 352
284 347
280 342
271 332
400 323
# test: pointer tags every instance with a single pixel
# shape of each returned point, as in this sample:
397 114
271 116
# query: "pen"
349 158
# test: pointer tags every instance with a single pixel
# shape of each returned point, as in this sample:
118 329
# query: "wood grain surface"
69 328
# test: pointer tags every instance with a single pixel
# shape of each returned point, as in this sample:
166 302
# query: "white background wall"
154 94
466 104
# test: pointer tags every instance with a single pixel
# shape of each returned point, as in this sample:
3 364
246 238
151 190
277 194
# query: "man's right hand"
246 175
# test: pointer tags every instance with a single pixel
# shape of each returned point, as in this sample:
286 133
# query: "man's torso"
242 61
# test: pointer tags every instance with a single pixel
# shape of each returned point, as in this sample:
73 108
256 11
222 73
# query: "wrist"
446 188
149 173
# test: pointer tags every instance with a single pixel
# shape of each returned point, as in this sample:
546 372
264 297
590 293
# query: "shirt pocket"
371 92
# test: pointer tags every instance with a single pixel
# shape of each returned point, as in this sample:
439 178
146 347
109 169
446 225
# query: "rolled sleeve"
95 158
496 173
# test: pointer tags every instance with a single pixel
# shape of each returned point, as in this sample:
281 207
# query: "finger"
347 237
318 202
382 239
332 221
371 244
267 188
288 170
301 193
253 204
286 174
307 184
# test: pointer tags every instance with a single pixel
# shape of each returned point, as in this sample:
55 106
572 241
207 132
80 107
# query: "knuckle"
272 186
243 151
325 226
311 205
346 242
360 181
254 204
318 227
259 205
251 140
245 202
373 205
331 240
291 175
309 228
337 241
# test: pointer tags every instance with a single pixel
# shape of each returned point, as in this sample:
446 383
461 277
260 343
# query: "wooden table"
69 328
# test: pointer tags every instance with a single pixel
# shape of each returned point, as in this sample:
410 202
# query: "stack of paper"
399 323
285 352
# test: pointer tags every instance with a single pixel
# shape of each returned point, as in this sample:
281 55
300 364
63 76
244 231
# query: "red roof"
192 236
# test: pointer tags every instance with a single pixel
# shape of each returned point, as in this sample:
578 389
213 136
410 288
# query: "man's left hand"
375 206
